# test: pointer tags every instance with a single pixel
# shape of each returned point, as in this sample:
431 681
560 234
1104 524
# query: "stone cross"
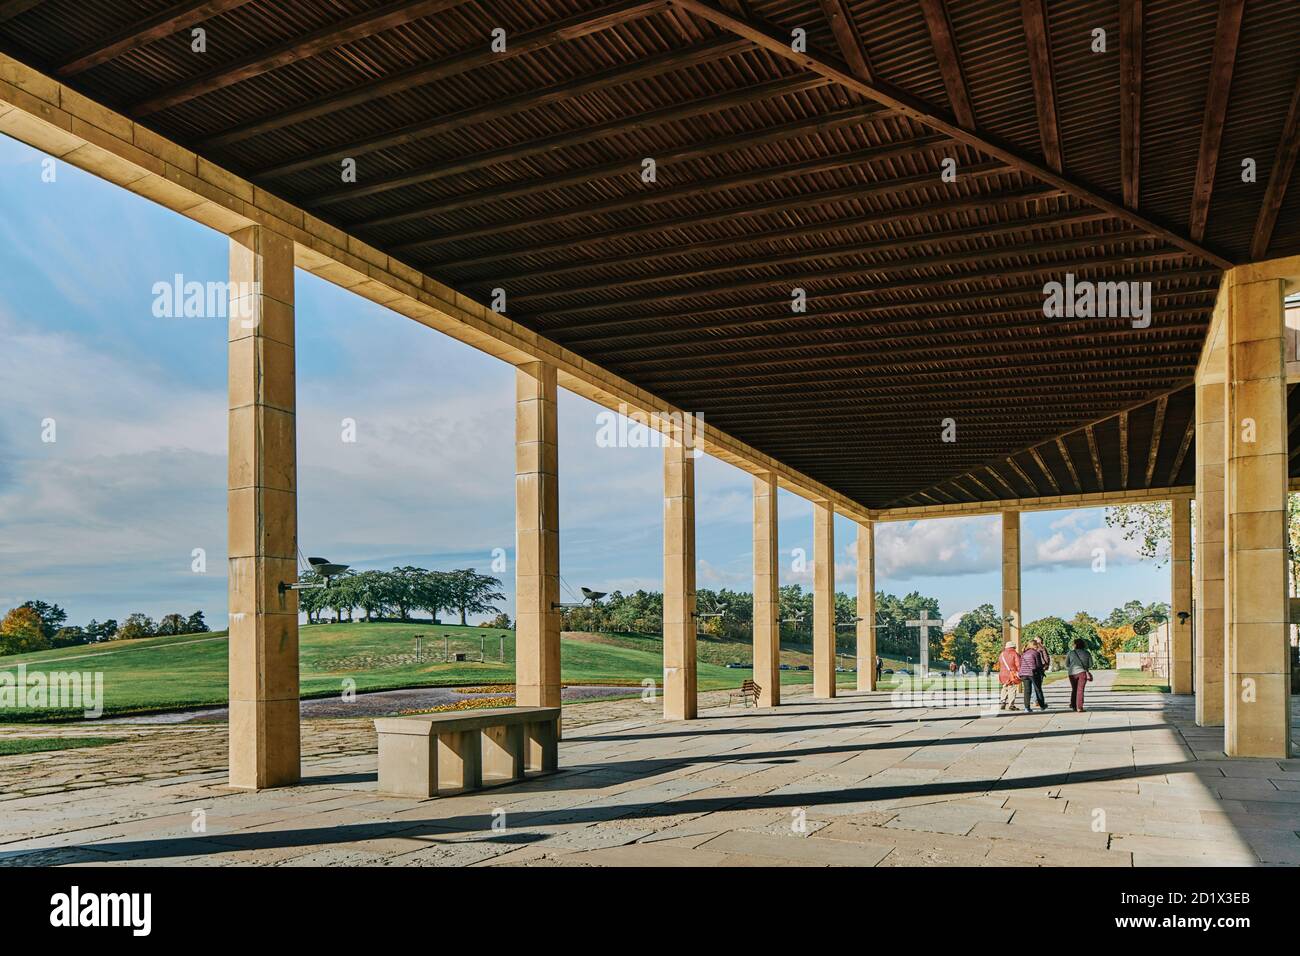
925 623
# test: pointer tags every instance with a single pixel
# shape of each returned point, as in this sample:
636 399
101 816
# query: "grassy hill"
164 673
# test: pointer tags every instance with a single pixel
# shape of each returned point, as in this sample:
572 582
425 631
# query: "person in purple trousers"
1033 661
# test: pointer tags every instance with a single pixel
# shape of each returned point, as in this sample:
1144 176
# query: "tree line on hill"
38 626
975 640
395 594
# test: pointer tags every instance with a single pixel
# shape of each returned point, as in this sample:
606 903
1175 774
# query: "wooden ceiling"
775 170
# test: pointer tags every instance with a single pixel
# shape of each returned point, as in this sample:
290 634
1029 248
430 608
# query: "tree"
312 600
1111 640
472 593
1147 523
70 637
171 624
432 591
195 624
52 616
136 625
988 645
501 621
399 591
22 630
371 591
1056 635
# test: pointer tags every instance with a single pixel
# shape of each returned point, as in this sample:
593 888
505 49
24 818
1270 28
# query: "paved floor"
854 781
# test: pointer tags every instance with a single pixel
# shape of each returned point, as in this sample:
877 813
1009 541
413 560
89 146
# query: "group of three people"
1023 672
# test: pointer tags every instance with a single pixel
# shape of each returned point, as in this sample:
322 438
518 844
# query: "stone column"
679 578
262 513
1207 636
867 605
1180 596
1011 620
1257 684
767 593
537 538
823 599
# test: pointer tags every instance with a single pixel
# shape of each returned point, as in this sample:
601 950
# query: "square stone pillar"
537 538
767 593
1257 680
823 600
679 578
867 605
262 513
1180 594
1207 636
1011 618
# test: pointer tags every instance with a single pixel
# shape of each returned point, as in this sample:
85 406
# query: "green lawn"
164 673
1132 681
34 745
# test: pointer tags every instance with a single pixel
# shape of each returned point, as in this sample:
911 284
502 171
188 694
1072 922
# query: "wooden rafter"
1035 454
1123 450
847 38
174 19
1157 430
1069 463
13 8
1188 434
1284 161
1033 485
571 28
1226 34
708 146
1033 14
1095 455
336 34
945 51
997 476
1130 98
641 121
775 42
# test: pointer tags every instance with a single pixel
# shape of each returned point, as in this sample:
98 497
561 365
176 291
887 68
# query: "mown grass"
10 746
189 671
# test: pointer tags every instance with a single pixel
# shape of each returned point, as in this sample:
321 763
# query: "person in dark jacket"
1079 664
1032 662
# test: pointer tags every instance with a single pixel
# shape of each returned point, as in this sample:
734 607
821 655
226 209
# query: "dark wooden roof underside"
523 171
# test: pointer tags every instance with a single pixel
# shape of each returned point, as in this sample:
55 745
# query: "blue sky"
105 519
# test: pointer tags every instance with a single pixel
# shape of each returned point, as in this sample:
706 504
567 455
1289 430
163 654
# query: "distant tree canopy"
400 592
22 631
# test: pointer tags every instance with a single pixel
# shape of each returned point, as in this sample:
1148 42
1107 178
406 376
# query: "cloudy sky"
106 518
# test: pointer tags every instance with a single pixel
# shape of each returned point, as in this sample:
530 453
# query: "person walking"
1079 665
880 666
1009 675
1044 662
1029 665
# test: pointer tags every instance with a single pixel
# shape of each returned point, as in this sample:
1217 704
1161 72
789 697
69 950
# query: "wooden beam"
13 8
1188 435
1226 33
1002 481
1096 457
1069 462
1033 485
709 146
776 42
570 28
635 123
1042 466
1130 98
174 19
642 200
1157 431
1284 161
945 51
1033 14
1050 503
336 34
847 38
1123 450
648 68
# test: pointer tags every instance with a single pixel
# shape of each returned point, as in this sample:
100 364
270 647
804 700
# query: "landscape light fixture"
589 596
322 566
701 615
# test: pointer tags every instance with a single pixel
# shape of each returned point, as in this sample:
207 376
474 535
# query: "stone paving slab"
853 781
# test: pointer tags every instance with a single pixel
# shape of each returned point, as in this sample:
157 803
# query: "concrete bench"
432 754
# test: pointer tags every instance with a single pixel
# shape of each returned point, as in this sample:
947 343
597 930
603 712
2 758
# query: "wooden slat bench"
748 693
432 754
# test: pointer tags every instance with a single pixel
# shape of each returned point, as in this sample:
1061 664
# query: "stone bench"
432 754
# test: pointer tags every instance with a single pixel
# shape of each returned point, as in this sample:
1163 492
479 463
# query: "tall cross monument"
925 623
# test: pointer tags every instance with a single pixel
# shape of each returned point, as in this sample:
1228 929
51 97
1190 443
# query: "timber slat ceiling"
522 170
